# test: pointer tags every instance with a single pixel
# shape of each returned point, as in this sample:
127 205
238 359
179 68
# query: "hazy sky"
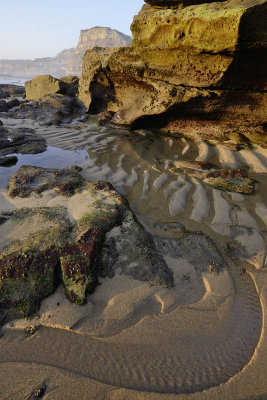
42 28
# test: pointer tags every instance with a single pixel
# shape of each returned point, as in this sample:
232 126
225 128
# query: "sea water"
12 80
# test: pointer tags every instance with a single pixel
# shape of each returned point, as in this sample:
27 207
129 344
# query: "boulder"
199 64
42 85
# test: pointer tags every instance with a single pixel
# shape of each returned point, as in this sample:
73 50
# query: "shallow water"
222 342
53 157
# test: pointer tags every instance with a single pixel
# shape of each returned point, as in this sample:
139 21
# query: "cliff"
69 61
190 69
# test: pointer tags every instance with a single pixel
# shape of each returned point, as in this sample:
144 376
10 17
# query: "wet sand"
202 339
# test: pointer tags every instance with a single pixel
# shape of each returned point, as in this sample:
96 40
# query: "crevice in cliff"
102 92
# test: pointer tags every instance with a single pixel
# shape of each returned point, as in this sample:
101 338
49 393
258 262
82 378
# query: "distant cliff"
69 61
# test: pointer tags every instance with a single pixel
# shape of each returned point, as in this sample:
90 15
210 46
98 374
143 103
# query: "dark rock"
3 106
14 142
8 161
71 85
38 392
9 90
29 131
58 102
12 103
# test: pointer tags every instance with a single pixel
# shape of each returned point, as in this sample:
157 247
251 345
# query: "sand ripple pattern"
137 163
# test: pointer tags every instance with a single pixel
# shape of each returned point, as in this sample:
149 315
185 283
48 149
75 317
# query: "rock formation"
44 85
191 69
69 61
67 243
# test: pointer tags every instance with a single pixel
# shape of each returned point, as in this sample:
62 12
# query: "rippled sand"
202 339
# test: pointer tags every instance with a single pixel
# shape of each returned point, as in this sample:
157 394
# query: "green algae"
244 185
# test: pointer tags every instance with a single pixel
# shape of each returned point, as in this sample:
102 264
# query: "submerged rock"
69 242
22 140
201 65
7 161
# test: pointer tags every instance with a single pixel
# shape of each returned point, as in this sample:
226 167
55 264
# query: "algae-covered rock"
69 243
229 180
29 265
237 185
29 179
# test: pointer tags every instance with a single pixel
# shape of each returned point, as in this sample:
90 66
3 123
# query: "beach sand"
202 339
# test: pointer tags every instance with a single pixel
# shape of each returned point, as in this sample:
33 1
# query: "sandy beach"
202 339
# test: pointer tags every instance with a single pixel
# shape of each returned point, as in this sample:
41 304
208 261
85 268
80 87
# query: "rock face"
67 242
197 66
69 61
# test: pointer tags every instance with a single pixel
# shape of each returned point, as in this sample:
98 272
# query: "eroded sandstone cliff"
190 69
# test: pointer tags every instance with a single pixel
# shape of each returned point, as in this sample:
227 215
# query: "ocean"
12 80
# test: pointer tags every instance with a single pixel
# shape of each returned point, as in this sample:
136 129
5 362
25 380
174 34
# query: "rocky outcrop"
200 69
66 243
69 61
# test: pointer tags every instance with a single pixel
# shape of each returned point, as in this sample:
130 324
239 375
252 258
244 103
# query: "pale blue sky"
42 28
